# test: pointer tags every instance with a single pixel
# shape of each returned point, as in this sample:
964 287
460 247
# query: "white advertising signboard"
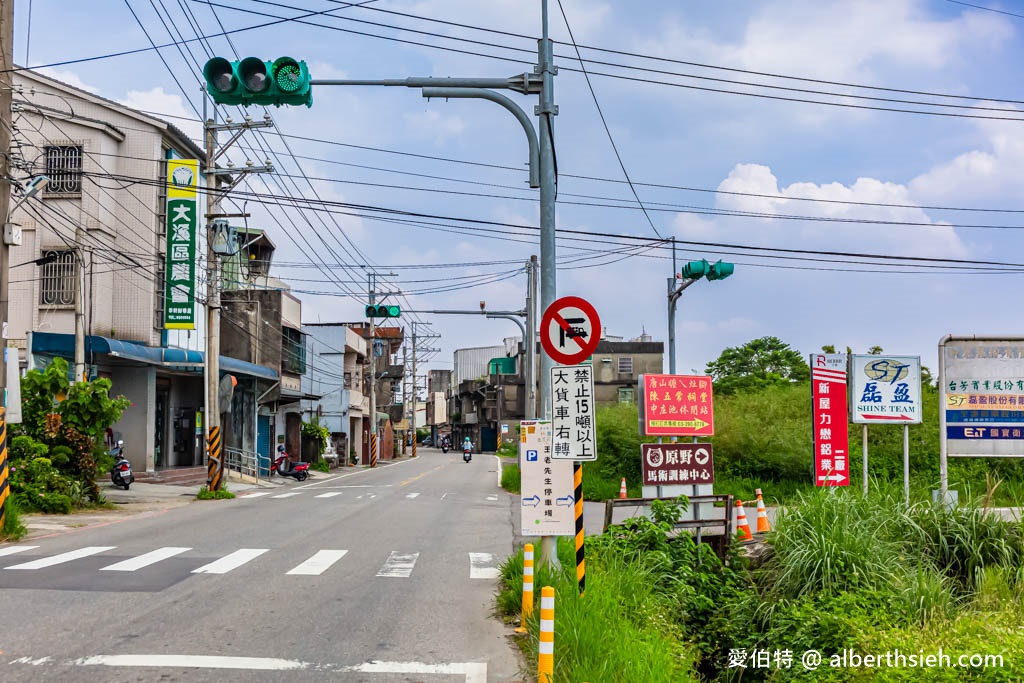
981 397
546 498
885 390
572 401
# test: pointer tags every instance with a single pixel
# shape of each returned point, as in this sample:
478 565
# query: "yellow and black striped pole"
546 646
373 449
414 444
4 479
498 447
214 465
581 563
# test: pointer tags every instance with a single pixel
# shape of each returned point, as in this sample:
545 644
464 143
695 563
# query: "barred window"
57 281
64 169
625 365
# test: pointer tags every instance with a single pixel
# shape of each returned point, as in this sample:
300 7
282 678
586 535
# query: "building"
337 358
389 375
94 242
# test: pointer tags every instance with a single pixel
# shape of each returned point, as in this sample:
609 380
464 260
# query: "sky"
714 111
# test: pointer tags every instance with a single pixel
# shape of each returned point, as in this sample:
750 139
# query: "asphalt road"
376 575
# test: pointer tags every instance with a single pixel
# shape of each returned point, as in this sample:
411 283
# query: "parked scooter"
286 468
446 444
121 473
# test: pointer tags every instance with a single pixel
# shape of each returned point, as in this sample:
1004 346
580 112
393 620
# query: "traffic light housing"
254 81
695 269
383 311
721 270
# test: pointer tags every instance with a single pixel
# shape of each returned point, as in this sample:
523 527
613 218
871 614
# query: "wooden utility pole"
6 88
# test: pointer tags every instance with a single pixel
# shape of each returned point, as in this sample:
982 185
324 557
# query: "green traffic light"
695 269
383 311
394 311
721 270
285 81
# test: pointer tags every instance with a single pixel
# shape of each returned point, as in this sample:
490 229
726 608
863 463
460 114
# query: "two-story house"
337 356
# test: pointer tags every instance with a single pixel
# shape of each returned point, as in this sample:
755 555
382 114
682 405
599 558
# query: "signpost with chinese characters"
886 390
676 405
672 464
828 411
546 498
574 434
182 222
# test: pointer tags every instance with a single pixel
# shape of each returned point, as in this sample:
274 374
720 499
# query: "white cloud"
69 77
432 125
161 104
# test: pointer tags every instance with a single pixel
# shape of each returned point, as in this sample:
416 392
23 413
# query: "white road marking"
287 495
345 476
319 563
480 566
444 495
331 494
232 561
257 494
372 495
492 498
411 495
133 563
399 565
474 672
10 550
64 557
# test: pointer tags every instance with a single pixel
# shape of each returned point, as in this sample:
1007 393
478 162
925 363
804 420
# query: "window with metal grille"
57 279
293 351
625 394
625 365
64 169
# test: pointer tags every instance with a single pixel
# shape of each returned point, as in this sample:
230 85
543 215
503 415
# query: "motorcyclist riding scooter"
467 449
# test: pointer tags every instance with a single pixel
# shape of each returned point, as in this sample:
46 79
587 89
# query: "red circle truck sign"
570 330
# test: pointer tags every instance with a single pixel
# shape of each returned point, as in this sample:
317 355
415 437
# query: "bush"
510 478
12 529
219 494
320 466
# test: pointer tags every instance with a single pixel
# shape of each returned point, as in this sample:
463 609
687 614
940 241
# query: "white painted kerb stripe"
287 495
232 561
133 563
16 549
480 566
319 563
332 494
64 557
399 565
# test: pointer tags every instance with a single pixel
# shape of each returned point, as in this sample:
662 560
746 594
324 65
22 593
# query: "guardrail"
249 463
725 522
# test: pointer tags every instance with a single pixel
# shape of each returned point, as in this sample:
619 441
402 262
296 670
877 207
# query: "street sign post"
676 405
546 498
574 435
828 410
671 464
886 390
570 330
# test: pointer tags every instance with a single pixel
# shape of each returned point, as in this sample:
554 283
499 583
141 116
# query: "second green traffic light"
718 270
254 81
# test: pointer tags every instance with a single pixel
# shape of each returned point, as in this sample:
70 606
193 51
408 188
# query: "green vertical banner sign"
182 227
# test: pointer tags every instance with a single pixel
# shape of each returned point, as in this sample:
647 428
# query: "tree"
756 365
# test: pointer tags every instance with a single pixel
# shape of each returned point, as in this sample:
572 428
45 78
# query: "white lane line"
372 495
444 495
480 566
257 494
381 465
10 550
474 672
133 563
411 495
232 561
64 557
287 495
319 563
332 494
492 498
399 565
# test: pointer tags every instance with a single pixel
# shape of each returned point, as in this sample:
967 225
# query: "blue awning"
185 360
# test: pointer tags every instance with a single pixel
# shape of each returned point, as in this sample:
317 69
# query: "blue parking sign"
531 456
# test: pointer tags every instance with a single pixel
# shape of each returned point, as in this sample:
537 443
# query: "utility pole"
530 340
405 392
412 420
80 375
371 287
6 88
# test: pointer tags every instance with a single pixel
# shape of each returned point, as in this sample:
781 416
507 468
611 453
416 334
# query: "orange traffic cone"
742 528
763 525
622 488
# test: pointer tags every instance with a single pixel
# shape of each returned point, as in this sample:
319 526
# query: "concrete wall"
138 385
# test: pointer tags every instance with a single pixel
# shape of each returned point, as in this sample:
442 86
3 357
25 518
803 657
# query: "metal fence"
249 463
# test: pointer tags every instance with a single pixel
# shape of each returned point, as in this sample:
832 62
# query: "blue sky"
666 135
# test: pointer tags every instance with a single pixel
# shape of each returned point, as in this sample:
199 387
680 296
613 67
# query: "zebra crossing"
398 564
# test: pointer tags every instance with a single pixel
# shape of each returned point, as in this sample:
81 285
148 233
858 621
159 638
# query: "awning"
185 360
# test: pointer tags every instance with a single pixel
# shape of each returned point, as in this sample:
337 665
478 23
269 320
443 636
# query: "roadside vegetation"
12 529
220 494
841 572
58 450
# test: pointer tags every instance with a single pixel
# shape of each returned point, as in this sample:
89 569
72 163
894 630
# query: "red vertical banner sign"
828 408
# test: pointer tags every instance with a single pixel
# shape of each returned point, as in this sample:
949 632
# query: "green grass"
219 494
620 631
510 479
13 529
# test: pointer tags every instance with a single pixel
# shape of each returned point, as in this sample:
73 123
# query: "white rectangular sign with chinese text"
574 434
546 498
885 389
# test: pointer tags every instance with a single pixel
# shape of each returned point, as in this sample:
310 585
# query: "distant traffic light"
695 269
383 311
254 81
721 270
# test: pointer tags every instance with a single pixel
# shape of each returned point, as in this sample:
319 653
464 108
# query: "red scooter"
286 468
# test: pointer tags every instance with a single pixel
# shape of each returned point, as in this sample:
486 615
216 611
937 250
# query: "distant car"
427 441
